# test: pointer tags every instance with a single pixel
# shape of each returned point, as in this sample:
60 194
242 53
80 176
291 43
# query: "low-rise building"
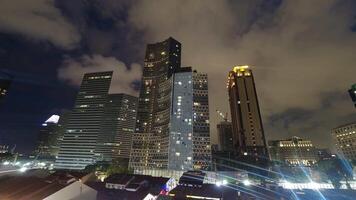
57 186
293 152
132 186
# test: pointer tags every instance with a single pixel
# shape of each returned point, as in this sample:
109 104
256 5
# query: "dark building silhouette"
225 136
352 93
47 137
117 127
249 141
50 136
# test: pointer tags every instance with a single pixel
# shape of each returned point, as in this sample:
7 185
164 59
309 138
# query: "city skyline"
297 92
178 99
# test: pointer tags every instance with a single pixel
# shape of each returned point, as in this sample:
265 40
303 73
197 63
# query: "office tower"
5 82
201 123
150 141
57 137
344 137
79 141
225 136
116 129
352 93
189 143
248 135
47 138
293 152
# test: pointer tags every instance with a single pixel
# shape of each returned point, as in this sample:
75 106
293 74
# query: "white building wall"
75 191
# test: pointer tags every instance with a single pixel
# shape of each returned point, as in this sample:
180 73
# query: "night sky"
302 54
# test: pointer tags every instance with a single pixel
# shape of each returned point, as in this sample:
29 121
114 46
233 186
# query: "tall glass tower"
248 135
116 129
151 138
189 143
79 141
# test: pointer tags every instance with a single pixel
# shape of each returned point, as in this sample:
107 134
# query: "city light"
246 182
23 169
220 183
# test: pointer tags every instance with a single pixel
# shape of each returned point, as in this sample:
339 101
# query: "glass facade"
117 127
79 141
181 136
151 139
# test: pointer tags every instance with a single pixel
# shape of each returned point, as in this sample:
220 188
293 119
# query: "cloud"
38 20
73 70
300 52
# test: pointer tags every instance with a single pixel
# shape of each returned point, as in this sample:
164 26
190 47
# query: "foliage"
6 157
116 169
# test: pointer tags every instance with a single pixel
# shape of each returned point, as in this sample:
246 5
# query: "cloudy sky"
302 54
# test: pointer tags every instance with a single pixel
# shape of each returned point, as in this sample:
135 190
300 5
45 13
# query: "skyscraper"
47 137
116 129
248 135
79 141
344 137
352 93
225 136
189 144
150 141
201 123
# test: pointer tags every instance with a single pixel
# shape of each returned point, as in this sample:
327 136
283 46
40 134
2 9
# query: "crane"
222 115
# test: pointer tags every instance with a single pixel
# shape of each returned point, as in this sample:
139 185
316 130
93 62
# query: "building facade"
172 129
225 136
189 143
151 137
293 152
47 138
201 123
345 140
352 92
79 141
117 127
248 134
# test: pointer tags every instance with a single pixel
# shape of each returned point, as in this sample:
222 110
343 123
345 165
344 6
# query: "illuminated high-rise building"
344 138
189 144
117 127
352 93
248 135
151 139
84 123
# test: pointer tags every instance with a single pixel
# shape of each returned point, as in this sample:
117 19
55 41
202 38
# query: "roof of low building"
154 185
